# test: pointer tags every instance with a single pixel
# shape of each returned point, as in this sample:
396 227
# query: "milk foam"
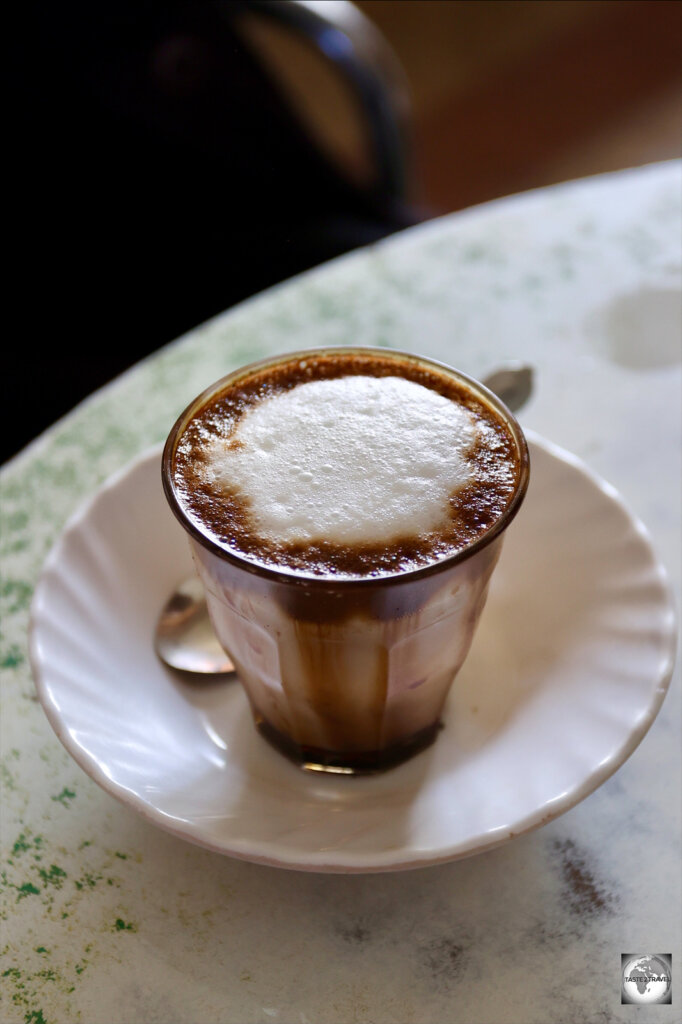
348 460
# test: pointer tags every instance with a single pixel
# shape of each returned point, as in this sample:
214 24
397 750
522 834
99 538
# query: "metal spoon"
184 637
512 383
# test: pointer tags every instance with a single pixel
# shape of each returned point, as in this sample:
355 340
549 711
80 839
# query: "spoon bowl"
184 637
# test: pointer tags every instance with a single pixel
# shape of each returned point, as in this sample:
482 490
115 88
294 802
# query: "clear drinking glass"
347 675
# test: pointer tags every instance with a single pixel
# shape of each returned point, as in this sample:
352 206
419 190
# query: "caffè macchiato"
346 510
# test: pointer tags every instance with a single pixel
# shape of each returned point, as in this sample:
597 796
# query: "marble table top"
106 918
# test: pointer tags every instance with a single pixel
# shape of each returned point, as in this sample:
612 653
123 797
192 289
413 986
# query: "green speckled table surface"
105 918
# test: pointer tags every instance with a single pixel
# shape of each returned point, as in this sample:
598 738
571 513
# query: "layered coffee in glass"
346 508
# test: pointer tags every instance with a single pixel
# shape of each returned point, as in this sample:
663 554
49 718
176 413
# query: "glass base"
356 762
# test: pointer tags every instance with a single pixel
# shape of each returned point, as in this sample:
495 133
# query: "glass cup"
347 675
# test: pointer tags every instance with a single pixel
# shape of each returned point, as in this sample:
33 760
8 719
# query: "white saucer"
567 672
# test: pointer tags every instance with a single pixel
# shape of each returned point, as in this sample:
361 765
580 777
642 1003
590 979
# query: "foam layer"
356 459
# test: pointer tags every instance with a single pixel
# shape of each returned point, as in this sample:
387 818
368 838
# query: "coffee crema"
345 464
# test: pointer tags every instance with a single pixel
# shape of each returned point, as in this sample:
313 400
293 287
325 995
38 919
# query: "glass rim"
295 577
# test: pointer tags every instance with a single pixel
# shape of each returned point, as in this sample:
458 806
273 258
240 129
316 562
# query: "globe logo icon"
646 979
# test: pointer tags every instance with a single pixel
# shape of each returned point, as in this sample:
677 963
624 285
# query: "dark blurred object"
158 177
